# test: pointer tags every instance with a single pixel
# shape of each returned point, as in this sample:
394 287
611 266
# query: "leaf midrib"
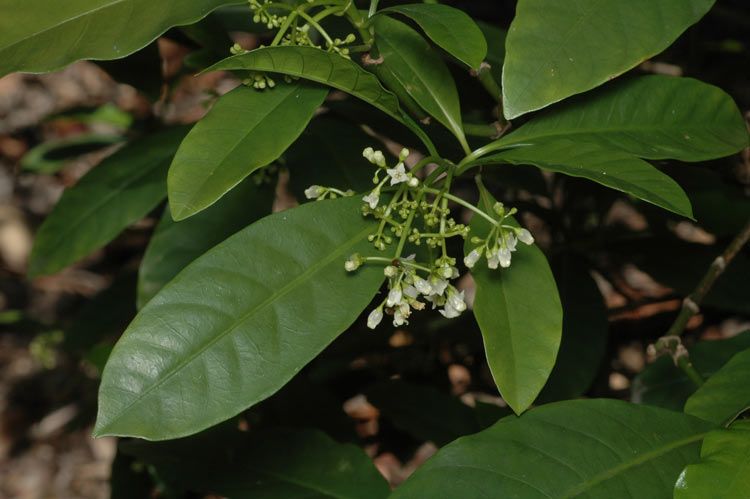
626 465
278 294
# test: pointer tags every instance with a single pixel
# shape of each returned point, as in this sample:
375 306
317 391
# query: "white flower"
472 258
368 153
394 296
449 312
403 154
372 199
378 158
422 286
390 271
456 301
353 263
525 236
399 317
511 241
411 292
438 285
493 260
374 318
446 271
413 182
397 174
503 256
314 191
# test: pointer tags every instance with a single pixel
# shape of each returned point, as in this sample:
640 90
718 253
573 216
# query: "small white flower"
438 285
456 301
378 158
394 296
372 199
368 153
397 174
503 256
374 318
525 236
511 241
413 182
353 262
422 286
314 192
446 271
449 312
390 271
493 260
472 258
403 154
411 292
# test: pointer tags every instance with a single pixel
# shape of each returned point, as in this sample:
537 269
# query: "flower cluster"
416 212
262 14
501 242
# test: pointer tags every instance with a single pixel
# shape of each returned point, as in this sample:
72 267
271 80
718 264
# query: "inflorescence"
413 212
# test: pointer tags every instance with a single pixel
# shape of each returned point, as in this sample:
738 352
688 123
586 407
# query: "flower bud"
472 258
375 317
314 192
525 236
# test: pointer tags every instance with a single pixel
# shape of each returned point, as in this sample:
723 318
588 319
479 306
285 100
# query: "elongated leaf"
278 463
51 156
579 448
319 66
423 411
451 29
611 168
725 394
245 130
558 49
420 72
520 316
36 36
175 244
119 191
665 385
653 117
724 469
584 336
329 153
238 322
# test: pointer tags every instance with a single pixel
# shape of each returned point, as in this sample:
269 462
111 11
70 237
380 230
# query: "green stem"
463 203
359 22
481 130
373 8
312 22
284 27
407 227
690 371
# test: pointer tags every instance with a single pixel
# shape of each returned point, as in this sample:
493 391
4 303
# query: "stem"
284 27
317 27
407 228
359 22
481 130
373 8
691 304
690 371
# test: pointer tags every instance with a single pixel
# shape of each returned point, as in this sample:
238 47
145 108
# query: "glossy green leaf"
319 66
420 71
329 153
451 29
558 49
245 130
584 336
238 323
37 37
119 191
724 469
665 385
725 394
279 463
175 244
519 313
423 411
653 117
611 168
580 448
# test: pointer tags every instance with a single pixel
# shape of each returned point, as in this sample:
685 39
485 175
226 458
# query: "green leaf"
245 130
329 153
519 313
653 117
584 336
725 394
611 168
423 411
319 66
37 36
116 193
665 385
238 323
51 156
273 464
420 71
451 29
175 244
579 448
555 50
724 469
